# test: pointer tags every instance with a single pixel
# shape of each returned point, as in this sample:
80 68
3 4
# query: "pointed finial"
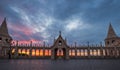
30 43
44 43
110 24
101 44
59 32
5 19
75 43
88 43
17 43
54 39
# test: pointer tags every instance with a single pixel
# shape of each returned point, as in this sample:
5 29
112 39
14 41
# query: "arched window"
0 39
60 43
108 42
113 41
6 40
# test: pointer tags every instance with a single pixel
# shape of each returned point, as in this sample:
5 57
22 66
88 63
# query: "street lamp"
9 45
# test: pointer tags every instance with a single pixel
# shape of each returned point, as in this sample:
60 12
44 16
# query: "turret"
5 38
112 39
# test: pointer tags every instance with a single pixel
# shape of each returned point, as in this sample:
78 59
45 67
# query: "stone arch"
60 53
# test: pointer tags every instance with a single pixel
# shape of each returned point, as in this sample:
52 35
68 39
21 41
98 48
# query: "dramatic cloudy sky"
79 20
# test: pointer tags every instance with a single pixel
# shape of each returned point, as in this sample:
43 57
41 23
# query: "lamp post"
9 53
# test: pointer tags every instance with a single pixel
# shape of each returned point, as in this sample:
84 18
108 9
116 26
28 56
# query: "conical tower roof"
4 29
111 32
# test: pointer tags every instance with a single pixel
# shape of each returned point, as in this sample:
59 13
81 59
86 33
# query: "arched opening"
0 39
60 53
60 43
113 41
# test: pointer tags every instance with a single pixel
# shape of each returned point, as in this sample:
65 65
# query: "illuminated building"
60 49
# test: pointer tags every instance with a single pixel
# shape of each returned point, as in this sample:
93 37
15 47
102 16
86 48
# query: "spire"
54 39
111 32
60 36
60 33
3 28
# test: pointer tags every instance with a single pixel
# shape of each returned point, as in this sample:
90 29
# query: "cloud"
37 25
75 24
80 20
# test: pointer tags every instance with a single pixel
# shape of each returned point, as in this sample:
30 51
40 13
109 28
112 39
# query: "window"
60 43
108 42
113 41
0 39
6 40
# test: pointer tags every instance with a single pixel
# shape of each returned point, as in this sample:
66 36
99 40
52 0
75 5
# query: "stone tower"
112 39
5 38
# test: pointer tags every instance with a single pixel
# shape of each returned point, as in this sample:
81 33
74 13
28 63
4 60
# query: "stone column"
101 52
16 50
88 51
115 52
39 52
75 50
48 52
96 52
21 50
119 52
67 53
35 51
106 55
91 52
26 51
30 52
84 52
52 54
44 50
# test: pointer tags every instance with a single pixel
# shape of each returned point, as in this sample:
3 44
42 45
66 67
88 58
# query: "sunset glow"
59 34
36 20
